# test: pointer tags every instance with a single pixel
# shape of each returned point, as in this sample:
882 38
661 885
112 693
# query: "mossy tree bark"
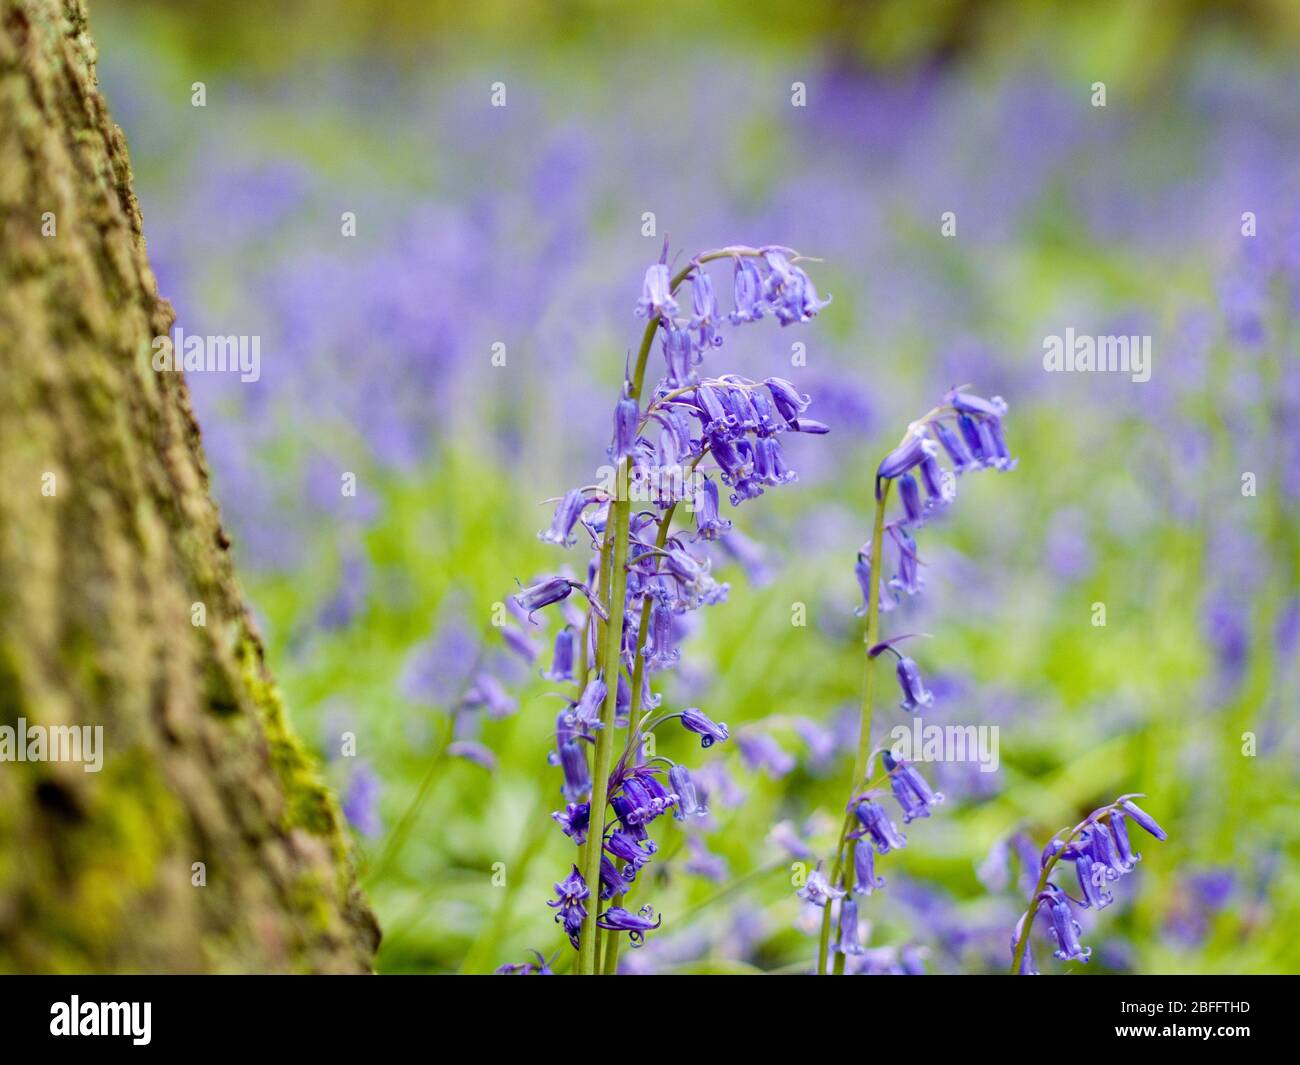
108 538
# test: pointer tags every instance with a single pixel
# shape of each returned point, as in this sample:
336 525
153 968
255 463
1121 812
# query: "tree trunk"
109 541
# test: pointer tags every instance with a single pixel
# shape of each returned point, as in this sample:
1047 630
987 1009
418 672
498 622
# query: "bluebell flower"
878 828
488 693
810 426
818 890
688 803
747 292
577 777
908 577
1091 885
865 880
790 403
567 512
627 417
613 881
910 494
562 658
627 848
361 803
678 357
709 525
1144 819
693 720
660 650
789 291
915 693
571 893
657 298
573 821
544 593
1065 929
705 306
586 712
636 925
914 795
906 456
849 942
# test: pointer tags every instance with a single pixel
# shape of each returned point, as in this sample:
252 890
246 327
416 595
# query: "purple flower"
910 789
760 751
789 291
709 732
573 820
878 828
577 778
688 801
567 513
520 643
636 925
1144 819
570 893
914 690
865 880
586 712
544 593
562 659
705 306
627 416
747 292
849 942
656 294
818 890
708 524
1065 929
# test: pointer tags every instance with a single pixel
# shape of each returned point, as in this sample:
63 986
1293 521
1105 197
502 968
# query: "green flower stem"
864 733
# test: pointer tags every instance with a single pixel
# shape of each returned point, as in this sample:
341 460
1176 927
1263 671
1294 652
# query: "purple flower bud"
1144 819
656 298
914 691
808 425
1090 884
520 643
695 721
586 714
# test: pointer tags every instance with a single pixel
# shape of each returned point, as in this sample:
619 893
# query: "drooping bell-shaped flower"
694 720
1065 929
747 292
878 828
636 925
818 890
914 795
656 294
849 942
706 315
688 803
567 513
562 658
865 880
915 693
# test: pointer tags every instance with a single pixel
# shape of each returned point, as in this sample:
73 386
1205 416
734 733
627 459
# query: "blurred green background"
522 226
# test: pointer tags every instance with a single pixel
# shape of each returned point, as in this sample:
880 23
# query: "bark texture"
97 585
